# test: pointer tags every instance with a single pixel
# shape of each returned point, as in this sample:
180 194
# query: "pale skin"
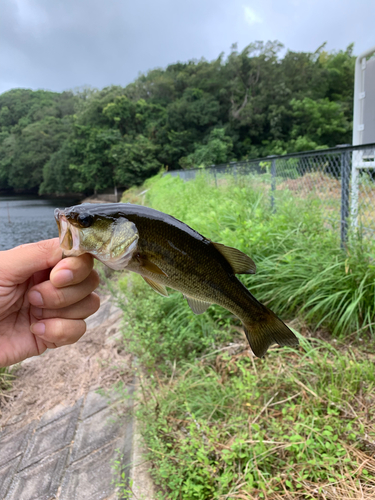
44 299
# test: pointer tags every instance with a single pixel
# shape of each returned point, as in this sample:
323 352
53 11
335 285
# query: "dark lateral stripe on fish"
128 209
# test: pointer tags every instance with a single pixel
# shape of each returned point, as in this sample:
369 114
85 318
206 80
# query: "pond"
25 219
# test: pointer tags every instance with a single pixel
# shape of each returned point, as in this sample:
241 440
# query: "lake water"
25 219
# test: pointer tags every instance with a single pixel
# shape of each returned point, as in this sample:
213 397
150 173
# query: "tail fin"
269 330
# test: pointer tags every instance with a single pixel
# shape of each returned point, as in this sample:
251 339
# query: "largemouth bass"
168 253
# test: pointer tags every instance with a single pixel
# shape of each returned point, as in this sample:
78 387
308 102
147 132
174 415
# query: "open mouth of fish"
68 235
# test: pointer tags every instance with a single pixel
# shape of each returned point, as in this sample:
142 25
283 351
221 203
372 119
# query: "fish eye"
85 220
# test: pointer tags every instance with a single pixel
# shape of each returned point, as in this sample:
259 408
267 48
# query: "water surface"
25 219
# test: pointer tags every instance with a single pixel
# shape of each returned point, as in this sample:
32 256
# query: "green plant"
237 426
220 424
5 380
301 269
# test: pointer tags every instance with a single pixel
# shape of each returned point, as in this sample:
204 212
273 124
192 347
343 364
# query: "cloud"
63 44
251 17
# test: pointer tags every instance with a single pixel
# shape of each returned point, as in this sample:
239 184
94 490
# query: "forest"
252 103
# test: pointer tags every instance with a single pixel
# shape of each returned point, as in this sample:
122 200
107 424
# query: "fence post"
233 165
273 180
345 186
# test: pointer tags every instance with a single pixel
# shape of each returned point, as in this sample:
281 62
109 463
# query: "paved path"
67 453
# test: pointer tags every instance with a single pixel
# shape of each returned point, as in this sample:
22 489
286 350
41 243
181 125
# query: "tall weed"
220 424
234 427
301 269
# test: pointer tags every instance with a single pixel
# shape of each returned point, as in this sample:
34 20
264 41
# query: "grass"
301 269
4 381
221 424
234 427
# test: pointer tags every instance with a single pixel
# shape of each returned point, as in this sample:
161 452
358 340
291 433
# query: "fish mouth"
68 235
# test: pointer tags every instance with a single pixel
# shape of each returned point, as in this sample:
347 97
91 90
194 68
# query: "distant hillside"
253 103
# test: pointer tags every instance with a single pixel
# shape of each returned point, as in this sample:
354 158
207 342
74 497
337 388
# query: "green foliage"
253 103
95 166
317 123
170 331
217 150
33 148
236 426
219 423
58 177
134 161
34 125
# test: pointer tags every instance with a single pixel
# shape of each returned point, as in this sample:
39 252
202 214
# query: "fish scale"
169 253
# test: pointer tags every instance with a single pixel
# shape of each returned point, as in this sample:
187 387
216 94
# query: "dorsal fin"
156 286
196 305
240 262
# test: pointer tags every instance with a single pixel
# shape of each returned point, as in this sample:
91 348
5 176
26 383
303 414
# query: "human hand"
43 299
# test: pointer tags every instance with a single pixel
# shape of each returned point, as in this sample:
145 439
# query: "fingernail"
38 328
35 298
63 277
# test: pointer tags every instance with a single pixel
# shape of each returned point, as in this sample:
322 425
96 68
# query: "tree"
134 161
33 147
217 149
320 123
253 103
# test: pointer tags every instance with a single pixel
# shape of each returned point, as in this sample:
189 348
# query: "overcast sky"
63 44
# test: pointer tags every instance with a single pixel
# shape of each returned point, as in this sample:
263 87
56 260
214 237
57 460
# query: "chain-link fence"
342 179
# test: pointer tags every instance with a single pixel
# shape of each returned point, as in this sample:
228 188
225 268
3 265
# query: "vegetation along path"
59 437
218 422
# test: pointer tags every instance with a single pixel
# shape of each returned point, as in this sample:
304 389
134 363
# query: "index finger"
21 262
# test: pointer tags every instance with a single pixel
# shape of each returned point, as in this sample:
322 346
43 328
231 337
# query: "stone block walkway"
68 454
68 451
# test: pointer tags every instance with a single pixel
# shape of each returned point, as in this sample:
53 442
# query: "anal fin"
156 286
196 305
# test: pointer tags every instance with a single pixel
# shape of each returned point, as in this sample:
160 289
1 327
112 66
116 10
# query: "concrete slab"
59 411
68 452
51 437
13 444
96 402
92 477
7 472
40 481
95 431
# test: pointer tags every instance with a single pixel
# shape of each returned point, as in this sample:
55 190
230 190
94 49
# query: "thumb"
19 263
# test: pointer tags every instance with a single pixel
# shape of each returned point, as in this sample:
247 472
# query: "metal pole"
215 176
345 187
233 165
273 181
355 189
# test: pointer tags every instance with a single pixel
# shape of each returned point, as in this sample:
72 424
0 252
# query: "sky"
64 44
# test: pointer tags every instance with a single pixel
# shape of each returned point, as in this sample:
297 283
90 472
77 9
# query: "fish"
168 253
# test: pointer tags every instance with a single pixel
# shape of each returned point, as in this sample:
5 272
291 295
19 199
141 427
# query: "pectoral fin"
156 286
197 306
240 262
149 266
